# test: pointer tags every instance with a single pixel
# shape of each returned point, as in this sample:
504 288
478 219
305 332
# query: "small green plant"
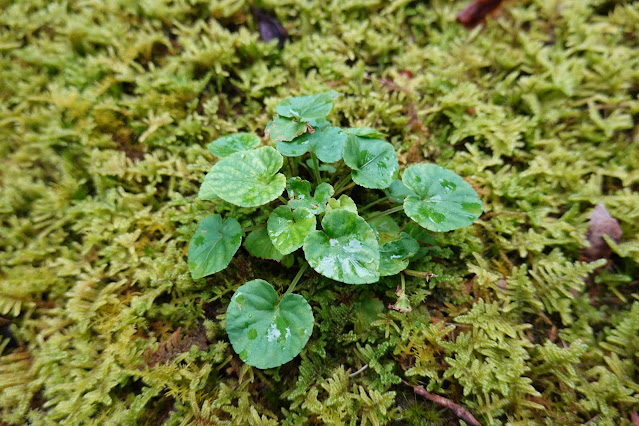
264 329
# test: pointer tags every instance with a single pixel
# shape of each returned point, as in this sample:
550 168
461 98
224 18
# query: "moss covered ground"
106 109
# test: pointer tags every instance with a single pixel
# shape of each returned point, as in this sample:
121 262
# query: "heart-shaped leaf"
397 192
213 245
299 191
374 162
287 229
343 203
248 178
327 144
259 244
394 255
227 145
443 200
263 332
305 108
346 250
284 129
206 191
365 132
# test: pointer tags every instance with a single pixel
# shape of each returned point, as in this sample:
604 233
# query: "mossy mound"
106 109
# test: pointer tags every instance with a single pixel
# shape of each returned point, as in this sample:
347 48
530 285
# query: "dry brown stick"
459 411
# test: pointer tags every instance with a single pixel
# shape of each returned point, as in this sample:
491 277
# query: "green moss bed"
106 108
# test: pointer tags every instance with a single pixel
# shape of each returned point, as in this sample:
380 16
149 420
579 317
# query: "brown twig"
459 411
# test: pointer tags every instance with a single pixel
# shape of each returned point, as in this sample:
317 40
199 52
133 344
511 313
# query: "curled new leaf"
213 245
443 201
299 191
346 250
287 229
248 178
284 129
327 144
343 203
227 145
263 332
306 108
374 162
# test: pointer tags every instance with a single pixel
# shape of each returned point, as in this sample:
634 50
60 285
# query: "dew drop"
252 334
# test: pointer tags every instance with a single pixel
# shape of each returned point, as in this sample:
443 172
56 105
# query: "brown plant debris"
459 411
175 345
601 223
475 13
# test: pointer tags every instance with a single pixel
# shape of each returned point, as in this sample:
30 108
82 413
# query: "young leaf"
248 178
284 129
299 191
443 201
346 250
305 108
206 191
365 132
394 255
374 162
343 203
326 144
227 145
213 245
259 244
266 333
287 229
397 192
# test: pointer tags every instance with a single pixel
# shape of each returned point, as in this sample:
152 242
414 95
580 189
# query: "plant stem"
297 278
403 280
387 212
340 183
374 203
419 274
316 167
344 189
283 200
253 228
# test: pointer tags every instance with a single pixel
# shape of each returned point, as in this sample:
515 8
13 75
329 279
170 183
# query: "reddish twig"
459 411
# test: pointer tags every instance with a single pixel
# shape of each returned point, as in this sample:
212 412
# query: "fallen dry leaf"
601 223
476 12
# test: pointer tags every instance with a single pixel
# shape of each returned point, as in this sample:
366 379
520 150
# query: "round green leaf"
305 108
327 144
443 201
213 245
284 129
374 162
397 192
206 191
227 145
259 244
248 178
287 229
263 332
346 250
394 255
387 229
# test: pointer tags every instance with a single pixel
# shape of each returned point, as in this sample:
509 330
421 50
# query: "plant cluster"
352 247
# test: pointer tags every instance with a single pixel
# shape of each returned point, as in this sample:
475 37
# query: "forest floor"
106 109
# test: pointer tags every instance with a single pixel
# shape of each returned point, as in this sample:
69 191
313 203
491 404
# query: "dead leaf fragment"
601 223
476 12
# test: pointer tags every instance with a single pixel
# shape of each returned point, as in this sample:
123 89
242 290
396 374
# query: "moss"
105 113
